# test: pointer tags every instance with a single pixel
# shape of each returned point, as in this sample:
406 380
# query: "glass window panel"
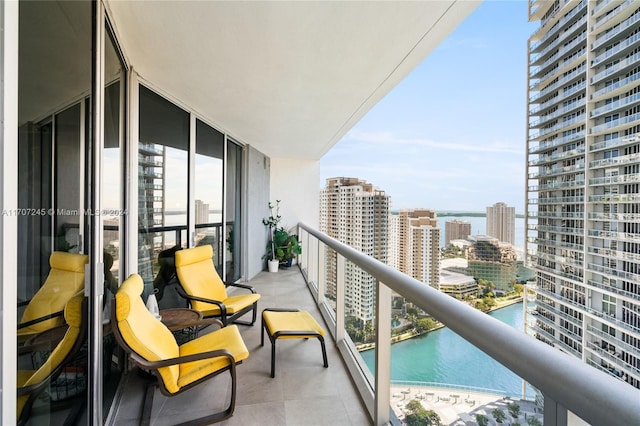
233 213
54 74
163 188
208 189
112 204
112 186
67 180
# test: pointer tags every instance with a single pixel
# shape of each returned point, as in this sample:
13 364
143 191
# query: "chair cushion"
65 279
73 314
145 334
233 304
198 276
194 255
71 262
291 321
225 338
73 310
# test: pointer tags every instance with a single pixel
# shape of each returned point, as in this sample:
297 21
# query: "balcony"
346 392
616 88
618 68
555 142
303 392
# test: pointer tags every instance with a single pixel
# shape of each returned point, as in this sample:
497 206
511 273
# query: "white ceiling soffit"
288 77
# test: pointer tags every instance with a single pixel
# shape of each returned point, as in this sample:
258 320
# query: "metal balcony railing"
568 384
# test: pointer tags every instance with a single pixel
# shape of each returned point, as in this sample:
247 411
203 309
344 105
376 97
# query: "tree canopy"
420 416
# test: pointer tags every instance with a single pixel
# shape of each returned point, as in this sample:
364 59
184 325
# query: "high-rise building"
583 195
202 212
501 222
393 246
456 230
355 213
493 260
417 242
151 205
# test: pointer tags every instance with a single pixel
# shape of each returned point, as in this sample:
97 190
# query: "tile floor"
303 392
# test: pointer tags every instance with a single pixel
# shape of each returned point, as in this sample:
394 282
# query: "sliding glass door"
184 166
113 207
54 69
209 184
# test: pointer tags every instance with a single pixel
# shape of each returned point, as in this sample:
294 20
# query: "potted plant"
275 231
291 249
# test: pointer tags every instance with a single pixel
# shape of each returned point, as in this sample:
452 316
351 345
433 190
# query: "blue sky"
451 136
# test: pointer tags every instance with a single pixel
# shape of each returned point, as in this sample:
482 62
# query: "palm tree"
514 410
368 330
499 415
482 420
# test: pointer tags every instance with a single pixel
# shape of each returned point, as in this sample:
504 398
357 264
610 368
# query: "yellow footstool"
290 324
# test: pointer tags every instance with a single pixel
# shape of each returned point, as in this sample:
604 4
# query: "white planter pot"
273 265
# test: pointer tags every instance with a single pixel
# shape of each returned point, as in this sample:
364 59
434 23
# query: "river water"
443 357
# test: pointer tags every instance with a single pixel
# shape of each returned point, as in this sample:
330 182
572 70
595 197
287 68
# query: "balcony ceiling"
289 78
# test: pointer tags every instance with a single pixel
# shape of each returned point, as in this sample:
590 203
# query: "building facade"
356 213
456 230
458 285
393 246
501 222
583 195
418 245
493 260
202 212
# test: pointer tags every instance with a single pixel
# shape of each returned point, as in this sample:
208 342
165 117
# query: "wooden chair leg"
273 358
324 352
147 407
221 415
145 420
253 316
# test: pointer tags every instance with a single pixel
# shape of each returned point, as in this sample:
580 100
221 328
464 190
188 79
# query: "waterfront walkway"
501 303
458 407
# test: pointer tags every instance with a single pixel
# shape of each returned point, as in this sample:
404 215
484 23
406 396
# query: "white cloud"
389 138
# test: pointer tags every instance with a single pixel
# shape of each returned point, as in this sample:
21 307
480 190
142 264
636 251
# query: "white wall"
297 184
256 207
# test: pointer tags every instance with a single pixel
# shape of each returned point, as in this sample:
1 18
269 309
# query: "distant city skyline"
451 136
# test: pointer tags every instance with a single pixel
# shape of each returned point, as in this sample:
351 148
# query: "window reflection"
54 74
233 212
208 190
111 185
162 185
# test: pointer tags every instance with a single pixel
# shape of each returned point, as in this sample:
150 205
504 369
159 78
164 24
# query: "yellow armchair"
44 311
152 346
31 383
202 287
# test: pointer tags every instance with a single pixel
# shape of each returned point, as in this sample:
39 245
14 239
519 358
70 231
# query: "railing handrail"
590 394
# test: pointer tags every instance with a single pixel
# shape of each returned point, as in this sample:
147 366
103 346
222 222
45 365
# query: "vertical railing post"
320 269
303 259
340 293
554 413
383 355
